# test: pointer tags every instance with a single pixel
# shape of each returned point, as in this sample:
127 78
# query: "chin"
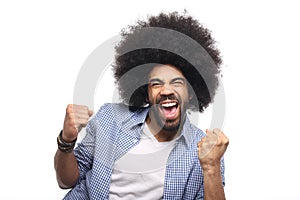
173 127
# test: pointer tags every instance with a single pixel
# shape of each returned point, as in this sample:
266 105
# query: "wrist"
67 139
211 168
63 145
211 171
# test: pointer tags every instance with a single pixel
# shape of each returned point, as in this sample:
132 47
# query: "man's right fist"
77 116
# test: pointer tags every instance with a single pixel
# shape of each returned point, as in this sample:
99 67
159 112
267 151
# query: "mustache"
167 97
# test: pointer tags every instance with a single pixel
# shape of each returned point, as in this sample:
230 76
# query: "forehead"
165 72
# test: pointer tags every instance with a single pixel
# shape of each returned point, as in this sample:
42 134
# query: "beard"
172 125
169 125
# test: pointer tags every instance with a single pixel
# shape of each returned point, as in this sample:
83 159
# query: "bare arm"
213 187
65 164
67 172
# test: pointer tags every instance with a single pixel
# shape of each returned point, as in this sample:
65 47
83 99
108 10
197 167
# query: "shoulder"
113 109
108 107
119 113
198 131
193 131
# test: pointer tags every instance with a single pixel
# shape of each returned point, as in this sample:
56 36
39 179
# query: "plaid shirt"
114 131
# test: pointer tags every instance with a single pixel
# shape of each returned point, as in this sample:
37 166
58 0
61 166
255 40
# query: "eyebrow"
160 81
178 79
155 80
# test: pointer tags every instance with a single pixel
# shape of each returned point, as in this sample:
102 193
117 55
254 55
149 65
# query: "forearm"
213 187
211 163
66 167
65 162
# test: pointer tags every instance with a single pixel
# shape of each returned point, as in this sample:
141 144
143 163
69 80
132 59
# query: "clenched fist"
211 148
77 116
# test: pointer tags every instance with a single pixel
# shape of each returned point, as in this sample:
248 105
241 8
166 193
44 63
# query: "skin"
166 80
65 164
166 85
213 188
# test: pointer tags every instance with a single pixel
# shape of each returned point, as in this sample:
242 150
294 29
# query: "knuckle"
85 113
82 107
70 116
69 108
226 141
217 131
85 123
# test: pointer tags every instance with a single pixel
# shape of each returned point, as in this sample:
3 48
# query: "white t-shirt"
140 173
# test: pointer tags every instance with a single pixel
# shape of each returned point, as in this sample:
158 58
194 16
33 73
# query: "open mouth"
169 109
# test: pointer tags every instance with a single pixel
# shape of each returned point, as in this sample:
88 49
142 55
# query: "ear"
190 97
146 99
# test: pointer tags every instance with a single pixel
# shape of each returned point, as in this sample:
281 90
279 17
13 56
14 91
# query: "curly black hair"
143 44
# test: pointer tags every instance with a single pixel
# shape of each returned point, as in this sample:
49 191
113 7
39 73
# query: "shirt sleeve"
85 150
223 171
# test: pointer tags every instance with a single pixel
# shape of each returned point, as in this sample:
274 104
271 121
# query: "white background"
43 45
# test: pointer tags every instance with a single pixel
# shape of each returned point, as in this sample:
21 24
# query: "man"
146 148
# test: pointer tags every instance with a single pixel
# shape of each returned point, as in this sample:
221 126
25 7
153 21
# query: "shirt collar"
187 132
139 117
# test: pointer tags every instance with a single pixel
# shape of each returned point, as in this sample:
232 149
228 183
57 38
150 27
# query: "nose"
166 90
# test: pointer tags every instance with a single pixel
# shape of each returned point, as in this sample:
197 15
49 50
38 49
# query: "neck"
159 133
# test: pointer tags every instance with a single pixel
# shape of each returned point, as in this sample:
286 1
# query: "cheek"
151 95
184 95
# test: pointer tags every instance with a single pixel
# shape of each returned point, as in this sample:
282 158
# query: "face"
168 96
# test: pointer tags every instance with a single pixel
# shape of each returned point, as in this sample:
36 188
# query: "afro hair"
140 46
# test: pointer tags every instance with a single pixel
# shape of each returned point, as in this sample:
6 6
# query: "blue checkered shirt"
114 131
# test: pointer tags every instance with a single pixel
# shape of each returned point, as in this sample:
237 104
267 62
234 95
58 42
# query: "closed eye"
178 82
155 83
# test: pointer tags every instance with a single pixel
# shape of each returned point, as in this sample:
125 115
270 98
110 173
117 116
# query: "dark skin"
167 89
168 94
213 187
167 80
65 164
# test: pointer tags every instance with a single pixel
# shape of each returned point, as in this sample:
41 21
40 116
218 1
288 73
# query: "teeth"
168 104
